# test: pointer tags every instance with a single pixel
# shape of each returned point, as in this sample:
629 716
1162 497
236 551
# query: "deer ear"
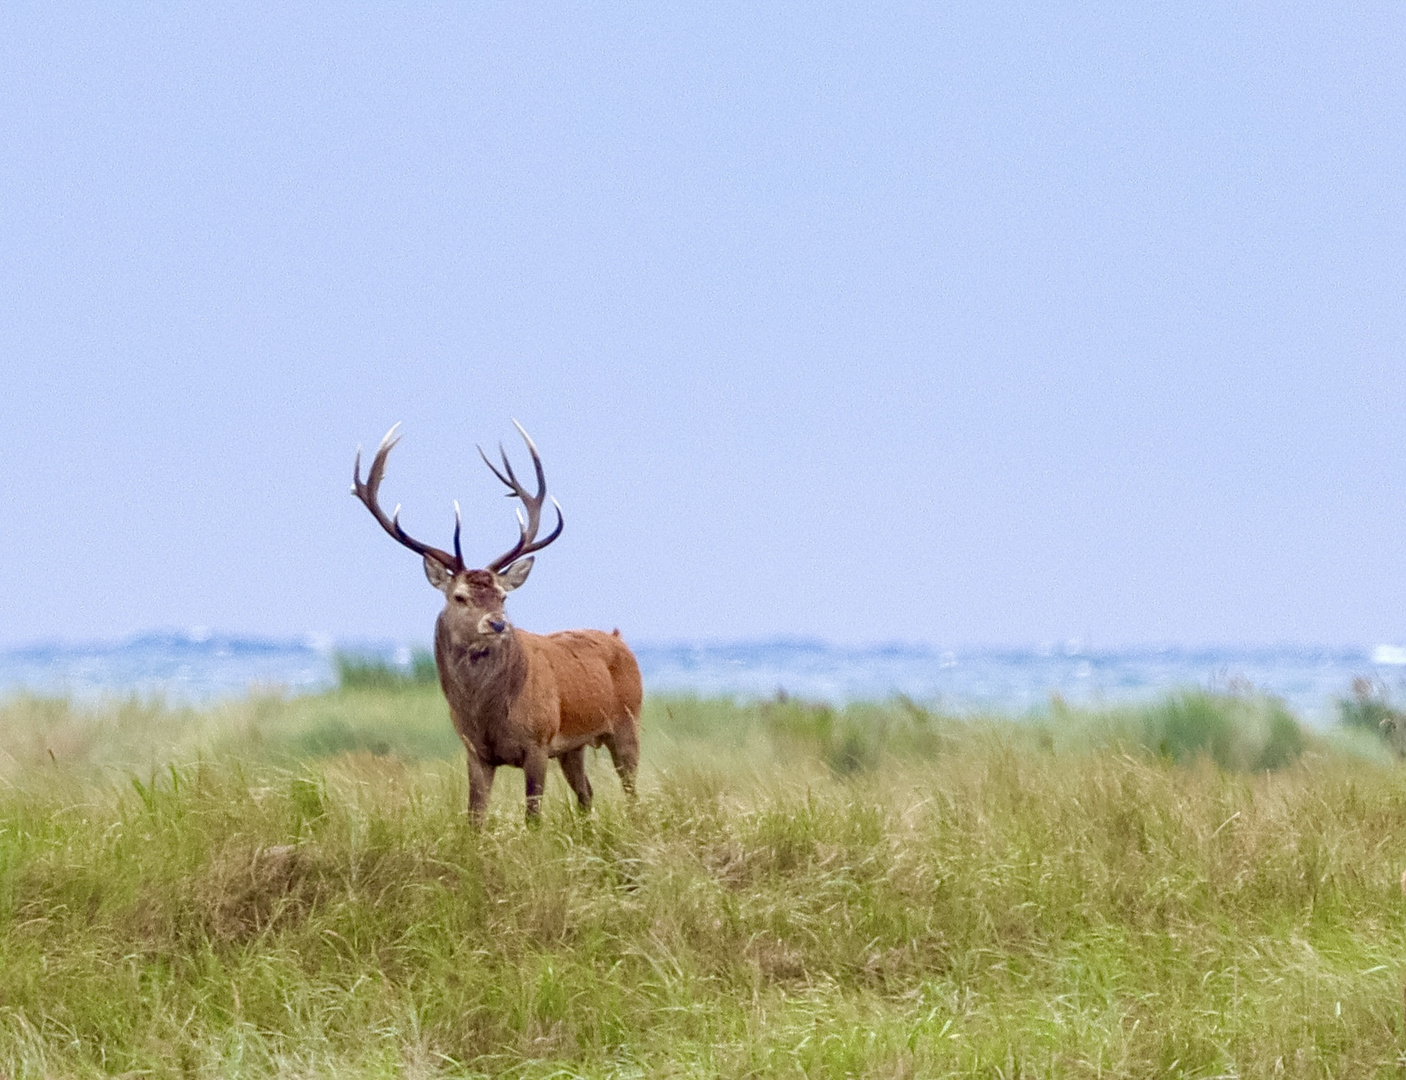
439 574
516 574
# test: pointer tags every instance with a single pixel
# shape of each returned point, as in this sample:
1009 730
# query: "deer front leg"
480 787
534 767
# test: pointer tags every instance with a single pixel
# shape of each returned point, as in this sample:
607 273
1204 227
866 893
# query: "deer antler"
367 491
527 540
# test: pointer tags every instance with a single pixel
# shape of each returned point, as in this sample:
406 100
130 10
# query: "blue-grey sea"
199 666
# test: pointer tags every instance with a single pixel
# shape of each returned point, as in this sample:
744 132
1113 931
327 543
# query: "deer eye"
459 599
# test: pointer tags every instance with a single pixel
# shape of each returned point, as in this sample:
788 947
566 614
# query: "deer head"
473 604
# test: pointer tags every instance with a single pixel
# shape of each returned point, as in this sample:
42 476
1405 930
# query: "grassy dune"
290 887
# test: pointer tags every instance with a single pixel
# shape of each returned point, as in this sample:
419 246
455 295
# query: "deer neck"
481 677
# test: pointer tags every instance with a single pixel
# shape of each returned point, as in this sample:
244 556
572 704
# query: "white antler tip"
391 436
525 436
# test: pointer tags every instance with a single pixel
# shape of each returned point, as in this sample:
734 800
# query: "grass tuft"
1368 710
359 672
1244 732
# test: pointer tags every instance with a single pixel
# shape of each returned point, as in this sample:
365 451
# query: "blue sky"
946 323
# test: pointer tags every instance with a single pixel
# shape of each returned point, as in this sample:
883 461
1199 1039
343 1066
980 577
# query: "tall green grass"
357 671
290 887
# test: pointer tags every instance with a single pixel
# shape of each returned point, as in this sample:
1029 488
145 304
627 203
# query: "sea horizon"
199 665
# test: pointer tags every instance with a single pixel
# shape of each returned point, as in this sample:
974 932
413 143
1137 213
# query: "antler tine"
369 491
527 530
378 463
508 467
536 459
458 525
494 469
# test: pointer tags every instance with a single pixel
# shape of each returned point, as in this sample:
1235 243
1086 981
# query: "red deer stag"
518 698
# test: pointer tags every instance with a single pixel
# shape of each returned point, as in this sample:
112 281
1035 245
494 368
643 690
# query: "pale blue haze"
202 667
942 324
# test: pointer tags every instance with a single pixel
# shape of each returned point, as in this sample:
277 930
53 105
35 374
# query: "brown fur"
519 699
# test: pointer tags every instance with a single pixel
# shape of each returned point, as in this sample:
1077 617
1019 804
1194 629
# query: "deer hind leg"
534 768
624 746
573 766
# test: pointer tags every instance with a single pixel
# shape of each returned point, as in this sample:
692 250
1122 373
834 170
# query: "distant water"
198 667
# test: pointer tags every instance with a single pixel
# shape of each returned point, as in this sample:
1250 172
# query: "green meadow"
289 886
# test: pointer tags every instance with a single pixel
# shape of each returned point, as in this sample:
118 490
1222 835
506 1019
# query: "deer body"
532 697
518 698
